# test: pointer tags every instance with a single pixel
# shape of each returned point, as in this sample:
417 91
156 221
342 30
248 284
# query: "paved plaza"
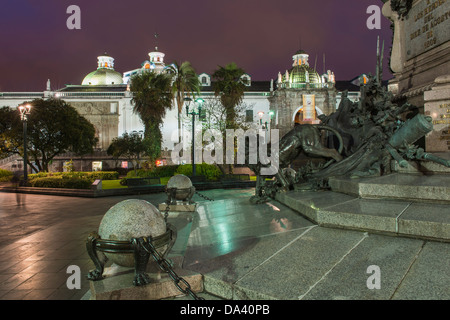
243 251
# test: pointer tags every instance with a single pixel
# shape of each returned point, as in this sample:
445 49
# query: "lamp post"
193 114
261 115
24 112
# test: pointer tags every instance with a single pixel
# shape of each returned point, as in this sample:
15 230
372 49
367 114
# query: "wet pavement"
243 251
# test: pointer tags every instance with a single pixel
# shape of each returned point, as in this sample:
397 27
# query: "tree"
152 97
130 146
184 82
229 87
215 118
54 127
215 115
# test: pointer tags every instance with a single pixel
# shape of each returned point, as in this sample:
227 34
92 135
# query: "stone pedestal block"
437 105
117 285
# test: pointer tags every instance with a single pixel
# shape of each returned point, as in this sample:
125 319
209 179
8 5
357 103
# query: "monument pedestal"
437 106
420 49
118 285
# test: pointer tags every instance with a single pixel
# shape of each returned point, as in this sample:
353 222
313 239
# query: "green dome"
298 75
103 76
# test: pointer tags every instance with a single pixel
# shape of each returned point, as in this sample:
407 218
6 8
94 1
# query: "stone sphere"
130 219
183 185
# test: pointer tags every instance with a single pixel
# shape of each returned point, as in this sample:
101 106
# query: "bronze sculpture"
370 133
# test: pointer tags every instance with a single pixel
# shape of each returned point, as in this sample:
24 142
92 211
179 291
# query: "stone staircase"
412 202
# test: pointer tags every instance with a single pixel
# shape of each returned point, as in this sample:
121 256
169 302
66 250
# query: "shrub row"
91 176
61 182
209 171
164 171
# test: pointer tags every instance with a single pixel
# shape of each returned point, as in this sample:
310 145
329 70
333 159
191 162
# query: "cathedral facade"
298 96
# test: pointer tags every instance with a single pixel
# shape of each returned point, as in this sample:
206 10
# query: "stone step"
425 167
395 217
411 187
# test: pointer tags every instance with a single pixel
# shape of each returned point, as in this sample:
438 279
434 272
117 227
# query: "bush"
61 182
164 171
69 180
91 176
121 171
5 175
209 171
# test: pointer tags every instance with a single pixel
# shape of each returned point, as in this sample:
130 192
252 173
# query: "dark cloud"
259 35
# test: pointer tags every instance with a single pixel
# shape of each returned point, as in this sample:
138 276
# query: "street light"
261 115
193 114
24 112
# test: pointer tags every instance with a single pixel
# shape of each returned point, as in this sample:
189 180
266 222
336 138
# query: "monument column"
421 46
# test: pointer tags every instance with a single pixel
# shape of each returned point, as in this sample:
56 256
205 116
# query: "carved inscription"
427 26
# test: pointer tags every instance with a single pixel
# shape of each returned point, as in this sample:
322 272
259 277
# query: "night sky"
260 36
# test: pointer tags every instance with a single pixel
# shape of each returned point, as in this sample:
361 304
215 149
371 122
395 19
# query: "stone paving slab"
329 264
266 251
348 279
221 272
429 275
292 271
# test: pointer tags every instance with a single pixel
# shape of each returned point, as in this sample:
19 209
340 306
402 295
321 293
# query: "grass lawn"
112 184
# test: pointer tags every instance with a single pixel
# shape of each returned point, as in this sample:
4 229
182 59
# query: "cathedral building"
297 96
302 95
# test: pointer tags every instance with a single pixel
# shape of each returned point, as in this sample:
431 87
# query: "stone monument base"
118 285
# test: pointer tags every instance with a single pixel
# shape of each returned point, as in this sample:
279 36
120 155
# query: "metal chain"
166 212
203 196
164 265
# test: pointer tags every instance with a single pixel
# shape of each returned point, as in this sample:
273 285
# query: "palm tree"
184 82
230 88
152 97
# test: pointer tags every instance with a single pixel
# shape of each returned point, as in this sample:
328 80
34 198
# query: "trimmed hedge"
92 176
209 171
61 182
69 180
